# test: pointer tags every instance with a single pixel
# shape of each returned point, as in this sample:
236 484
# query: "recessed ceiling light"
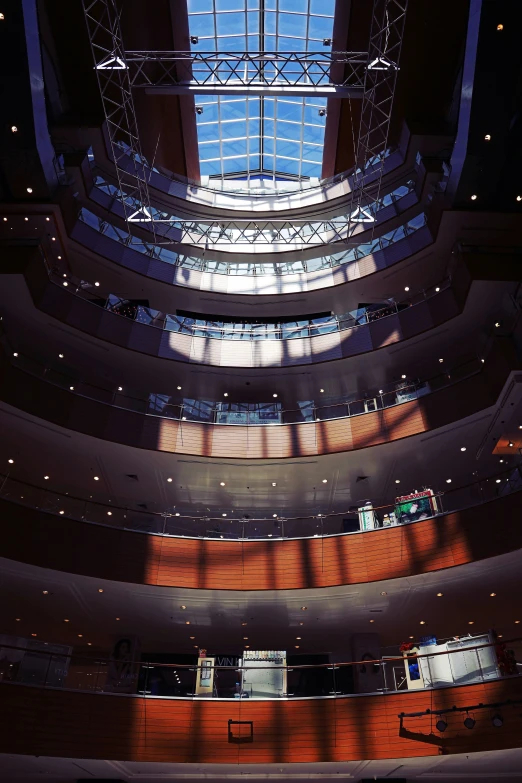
223 514
439 595
178 388
62 512
96 478
497 481
448 481
221 483
34 634
53 239
397 481
274 395
441 360
403 377
65 283
17 619
247 647
492 595
304 608
29 190
511 444
301 623
372 621
406 287
381 391
26 218
11 461
14 129
412 637
46 478
296 646
471 622
244 624
60 355
497 324
89 644
120 388
322 391
487 137
109 513
519 198
274 516
177 514
66 620
100 589
474 197
71 388
97 284
192 637
517 622
423 622
500 27
45 592
182 606
325 481
245 638
463 448
225 394
80 636
437 290
15 354
169 480
117 618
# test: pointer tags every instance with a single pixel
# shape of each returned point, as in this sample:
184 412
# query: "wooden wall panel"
40 722
387 553
405 420
368 430
205 350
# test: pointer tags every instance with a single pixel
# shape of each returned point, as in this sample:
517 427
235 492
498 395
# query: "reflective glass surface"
279 137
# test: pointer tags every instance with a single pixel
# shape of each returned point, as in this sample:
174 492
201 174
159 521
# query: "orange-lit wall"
32 536
42 722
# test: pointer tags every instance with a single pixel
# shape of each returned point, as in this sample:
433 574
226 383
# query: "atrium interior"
260 390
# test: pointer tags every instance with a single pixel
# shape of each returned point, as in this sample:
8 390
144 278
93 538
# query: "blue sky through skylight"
246 135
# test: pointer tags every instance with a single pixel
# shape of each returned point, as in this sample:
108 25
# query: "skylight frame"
268 163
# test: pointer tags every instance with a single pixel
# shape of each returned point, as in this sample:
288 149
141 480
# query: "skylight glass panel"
252 137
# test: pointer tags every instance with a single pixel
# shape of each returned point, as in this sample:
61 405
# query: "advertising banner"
123 671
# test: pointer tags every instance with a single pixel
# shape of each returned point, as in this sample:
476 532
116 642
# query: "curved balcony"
273 555
370 426
257 234
157 334
276 276
81 721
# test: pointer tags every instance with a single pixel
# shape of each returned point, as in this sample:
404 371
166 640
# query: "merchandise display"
264 675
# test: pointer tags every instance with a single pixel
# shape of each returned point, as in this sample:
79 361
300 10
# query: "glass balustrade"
151 516
277 268
424 664
136 310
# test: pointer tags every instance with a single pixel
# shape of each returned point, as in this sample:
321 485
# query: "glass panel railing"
135 310
424 664
277 268
174 406
224 524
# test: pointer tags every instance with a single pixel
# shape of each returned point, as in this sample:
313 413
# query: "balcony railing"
422 665
222 523
132 310
277 268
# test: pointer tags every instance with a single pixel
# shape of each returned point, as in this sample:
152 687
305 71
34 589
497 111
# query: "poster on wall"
123 670
417 505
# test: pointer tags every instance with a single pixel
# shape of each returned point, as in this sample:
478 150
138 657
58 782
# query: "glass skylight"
250 137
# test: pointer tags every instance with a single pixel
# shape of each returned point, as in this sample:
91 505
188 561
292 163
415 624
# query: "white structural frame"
117 71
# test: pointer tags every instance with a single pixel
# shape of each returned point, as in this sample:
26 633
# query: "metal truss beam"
386 34
372 75
222 73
